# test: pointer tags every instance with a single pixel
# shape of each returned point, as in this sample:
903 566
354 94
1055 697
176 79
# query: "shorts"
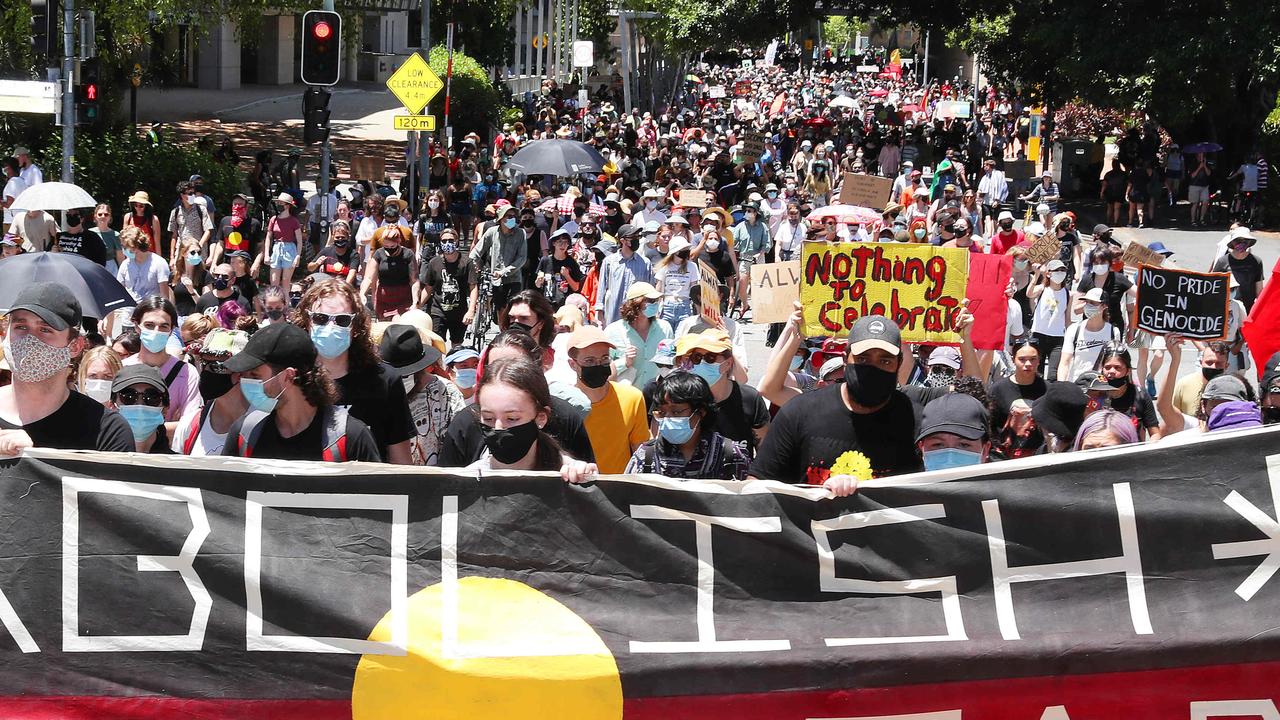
1198 193
283 255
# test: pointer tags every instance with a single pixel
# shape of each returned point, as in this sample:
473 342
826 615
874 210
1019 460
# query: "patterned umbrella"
869 218
563 205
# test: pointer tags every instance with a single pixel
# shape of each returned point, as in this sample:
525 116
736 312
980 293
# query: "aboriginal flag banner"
1130 582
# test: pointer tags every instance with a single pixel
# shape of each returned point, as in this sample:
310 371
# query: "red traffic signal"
322 31
321 47
91 92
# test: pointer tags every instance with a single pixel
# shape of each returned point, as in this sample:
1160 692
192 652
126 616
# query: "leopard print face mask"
32 360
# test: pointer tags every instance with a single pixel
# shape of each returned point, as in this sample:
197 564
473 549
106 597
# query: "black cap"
875 331
402 349
954 413
1061 409
279 344
628 230
51 302
242 254
1099 230
135 374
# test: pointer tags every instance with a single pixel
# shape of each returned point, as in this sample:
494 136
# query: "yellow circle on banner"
519 654
235 239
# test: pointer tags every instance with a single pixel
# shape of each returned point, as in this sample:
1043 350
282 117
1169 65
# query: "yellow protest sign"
920 287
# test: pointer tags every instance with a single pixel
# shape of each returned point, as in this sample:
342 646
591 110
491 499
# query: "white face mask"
1058 277
1091 311
1100 269
713 245
99 390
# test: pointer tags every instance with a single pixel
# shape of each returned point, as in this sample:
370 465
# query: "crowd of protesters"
365 337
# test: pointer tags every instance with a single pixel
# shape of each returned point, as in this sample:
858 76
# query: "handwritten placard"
865 190
709 283
1191 304
774 289
690 198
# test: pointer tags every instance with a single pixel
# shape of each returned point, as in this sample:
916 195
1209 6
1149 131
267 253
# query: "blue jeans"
673 311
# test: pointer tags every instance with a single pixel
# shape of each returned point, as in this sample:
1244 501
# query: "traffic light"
321 47
88 93
315 116
46 42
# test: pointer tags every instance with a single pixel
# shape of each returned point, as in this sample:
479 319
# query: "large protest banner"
1191 304
919 286
985 291
1132 582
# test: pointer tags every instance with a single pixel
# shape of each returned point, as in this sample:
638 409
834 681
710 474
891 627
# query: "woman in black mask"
1116 367
515 405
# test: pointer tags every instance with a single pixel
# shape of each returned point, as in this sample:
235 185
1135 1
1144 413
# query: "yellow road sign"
540 41
422 123
414 83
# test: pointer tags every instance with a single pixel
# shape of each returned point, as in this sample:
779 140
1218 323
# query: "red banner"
988 278
1262 328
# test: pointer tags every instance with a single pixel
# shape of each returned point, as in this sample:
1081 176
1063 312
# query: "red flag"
1262 328
988 278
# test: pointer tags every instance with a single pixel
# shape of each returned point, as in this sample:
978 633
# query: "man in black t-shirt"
38 409
75 240
834 436
449 289
292 415
1244 267
558 274
340 259
236 231
222 291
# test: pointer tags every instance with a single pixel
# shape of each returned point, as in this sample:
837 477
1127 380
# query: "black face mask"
1118 382
595 376
1210 373
1271 415
521 327
274 315
1006 226
221 283
294 299
214 385
511 444
869 386
341 242
73 220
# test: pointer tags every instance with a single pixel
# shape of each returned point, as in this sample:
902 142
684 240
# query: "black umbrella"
562 158
94 286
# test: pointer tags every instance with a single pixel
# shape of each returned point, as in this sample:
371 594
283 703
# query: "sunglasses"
129 396
217 276
697 357
341 320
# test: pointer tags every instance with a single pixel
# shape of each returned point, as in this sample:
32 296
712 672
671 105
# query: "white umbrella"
843 101
53 196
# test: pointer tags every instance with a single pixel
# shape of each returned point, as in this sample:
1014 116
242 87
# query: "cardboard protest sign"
710 285
919 286
694 198
1045 248
742 88
774 287
368 168
865 190
753 146
1019 169
988 278
1191 304
715 92
1136 254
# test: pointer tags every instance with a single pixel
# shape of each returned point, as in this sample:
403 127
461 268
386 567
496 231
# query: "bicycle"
483 316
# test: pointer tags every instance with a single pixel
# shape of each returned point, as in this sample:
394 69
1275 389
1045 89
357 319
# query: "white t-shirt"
12 189
143 280
1085 345
1050 316
676 281
208 442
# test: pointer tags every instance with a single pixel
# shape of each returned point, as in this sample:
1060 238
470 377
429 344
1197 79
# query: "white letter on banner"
940 715
828 582
397 505
1251 548
182 563
1129 563
1205 709
707 641
1056 712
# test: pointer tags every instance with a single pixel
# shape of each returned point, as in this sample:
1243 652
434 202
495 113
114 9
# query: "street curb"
278 98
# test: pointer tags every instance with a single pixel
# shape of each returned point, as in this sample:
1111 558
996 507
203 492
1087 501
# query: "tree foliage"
839 31
475 101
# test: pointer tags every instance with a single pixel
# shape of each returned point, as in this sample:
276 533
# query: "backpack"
333 436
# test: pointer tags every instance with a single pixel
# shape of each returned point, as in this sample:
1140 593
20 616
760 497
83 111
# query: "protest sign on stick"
865 190
1137 254
753 146
1045 248
690 198
1191 304
710 288
774 289
921 287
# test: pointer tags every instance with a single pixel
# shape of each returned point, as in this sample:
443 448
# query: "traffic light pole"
68 89
324 169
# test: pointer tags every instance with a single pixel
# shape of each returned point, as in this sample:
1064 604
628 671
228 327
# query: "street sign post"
419 123
414 84
30 96
583 53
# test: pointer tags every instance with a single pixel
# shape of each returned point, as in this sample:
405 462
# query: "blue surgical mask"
708 371
796 363
194 260
675 430
950 458
256 395
130 254
154 340
651 310
510 223
143 419
465 377
331 340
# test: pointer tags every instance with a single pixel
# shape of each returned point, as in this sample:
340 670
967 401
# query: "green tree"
475 101
841 32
